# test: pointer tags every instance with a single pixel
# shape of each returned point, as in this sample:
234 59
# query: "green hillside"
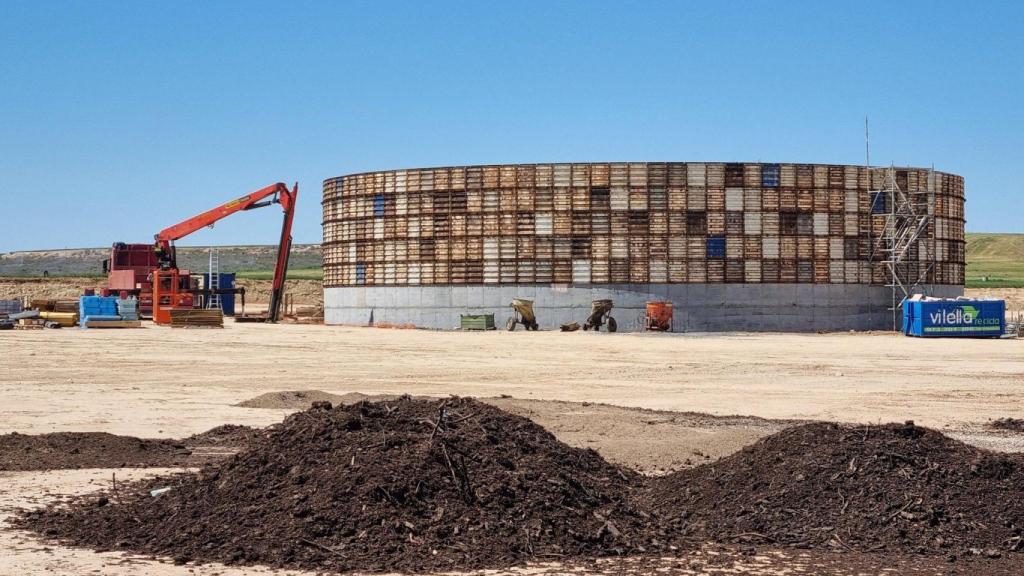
995 260
247 261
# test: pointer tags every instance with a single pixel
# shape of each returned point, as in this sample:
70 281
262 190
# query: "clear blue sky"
117 119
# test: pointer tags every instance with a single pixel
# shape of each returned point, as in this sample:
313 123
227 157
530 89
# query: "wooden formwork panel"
628 222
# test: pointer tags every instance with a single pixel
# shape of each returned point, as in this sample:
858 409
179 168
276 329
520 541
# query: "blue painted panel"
879 203
959 318
716 247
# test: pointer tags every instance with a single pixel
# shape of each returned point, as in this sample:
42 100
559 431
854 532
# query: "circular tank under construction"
732 246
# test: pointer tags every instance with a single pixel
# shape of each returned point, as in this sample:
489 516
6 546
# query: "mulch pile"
410 485
291 399
69 450
1010 424
73 450
867 488
226 435
418 485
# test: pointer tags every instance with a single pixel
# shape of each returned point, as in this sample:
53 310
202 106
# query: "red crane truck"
151 272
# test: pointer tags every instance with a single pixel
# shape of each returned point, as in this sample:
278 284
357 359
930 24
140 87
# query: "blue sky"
118 119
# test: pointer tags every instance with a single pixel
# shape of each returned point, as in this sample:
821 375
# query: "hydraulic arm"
274 194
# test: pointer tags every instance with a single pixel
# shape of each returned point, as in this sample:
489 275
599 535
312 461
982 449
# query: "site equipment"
600 314
152 272
658 317
522 313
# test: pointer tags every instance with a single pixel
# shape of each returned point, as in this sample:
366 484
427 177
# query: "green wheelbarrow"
522 313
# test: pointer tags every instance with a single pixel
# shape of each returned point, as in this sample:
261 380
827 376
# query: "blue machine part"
227 301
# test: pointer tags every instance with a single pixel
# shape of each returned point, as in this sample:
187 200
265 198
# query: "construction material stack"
196 318
128 308
102 312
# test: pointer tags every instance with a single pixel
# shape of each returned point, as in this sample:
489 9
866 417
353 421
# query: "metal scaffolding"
907 216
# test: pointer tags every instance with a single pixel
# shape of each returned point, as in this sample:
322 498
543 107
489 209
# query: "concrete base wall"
698 307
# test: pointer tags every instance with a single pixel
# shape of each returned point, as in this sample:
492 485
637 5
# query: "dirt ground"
653 402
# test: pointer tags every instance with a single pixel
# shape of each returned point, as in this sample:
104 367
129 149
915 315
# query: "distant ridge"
89 261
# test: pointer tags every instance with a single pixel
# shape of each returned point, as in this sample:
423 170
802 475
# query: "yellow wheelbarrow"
601 314
522 313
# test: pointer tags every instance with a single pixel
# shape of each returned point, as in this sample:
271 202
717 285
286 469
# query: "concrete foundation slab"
698 307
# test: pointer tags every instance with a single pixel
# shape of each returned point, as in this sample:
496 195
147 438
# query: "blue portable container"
227 301
716 247
378 205
959 318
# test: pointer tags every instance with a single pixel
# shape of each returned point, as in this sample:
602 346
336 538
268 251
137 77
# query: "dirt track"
159 382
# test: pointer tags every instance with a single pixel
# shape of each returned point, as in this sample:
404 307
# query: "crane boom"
279 194
273 194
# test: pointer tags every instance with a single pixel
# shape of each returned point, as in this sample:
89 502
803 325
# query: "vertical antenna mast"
867 144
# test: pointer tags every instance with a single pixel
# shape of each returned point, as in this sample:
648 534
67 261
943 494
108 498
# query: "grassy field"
995 260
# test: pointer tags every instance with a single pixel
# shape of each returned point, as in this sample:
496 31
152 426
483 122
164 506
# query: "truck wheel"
612 326
511 324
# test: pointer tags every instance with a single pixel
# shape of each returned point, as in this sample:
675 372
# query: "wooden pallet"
112 324
196 318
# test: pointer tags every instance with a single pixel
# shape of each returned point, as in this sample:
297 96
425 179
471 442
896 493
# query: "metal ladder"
213 300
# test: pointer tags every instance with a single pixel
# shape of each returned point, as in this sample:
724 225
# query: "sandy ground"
161 382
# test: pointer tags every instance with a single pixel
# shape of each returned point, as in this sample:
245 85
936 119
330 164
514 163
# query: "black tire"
535 327
586 326
612 325
511 324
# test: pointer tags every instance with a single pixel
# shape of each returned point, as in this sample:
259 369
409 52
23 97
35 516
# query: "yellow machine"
522 313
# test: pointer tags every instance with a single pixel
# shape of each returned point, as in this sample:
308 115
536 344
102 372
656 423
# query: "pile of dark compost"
896 487
70 450
409 485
